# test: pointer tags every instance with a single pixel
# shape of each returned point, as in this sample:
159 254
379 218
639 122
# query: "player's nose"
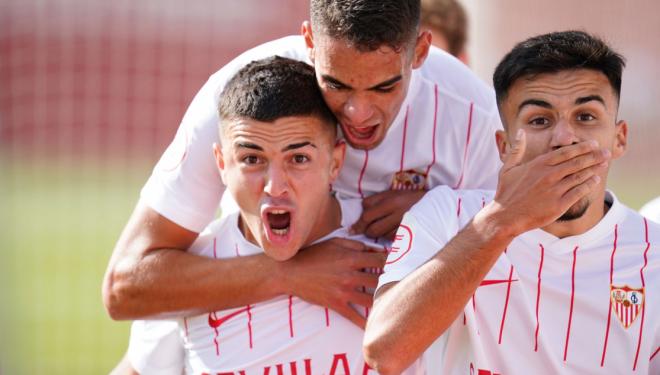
357 110
563 134
277 183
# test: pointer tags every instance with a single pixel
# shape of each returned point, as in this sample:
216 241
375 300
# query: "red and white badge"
409 180
627 303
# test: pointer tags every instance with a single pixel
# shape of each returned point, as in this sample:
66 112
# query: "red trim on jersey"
474 306
403 142
641 275
185 326
458 210
364 168
609 309
249 314
215 254
654 353
506 302
570 314
435 123
217 333
467 144
236 248
327 317
538 301
291 316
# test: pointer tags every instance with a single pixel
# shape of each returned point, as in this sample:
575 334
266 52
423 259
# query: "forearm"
170 282
420 308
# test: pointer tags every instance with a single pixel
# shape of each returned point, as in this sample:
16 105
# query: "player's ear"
422 46
621 139
306 31
502 143
338 153
219 161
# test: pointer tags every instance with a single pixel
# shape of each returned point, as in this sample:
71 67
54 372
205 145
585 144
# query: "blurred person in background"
447 21
550 273
413 117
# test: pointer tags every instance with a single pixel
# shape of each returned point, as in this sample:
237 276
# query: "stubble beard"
576 211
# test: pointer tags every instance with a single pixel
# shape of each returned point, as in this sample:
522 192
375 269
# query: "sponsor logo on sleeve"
401 245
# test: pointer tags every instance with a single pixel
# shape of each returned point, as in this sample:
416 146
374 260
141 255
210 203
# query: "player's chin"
281 244
281 252
576 211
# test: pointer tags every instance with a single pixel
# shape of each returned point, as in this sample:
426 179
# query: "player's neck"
592 216
328 220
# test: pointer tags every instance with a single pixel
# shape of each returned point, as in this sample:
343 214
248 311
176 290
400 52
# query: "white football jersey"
443 134
285 335
652 210
582 304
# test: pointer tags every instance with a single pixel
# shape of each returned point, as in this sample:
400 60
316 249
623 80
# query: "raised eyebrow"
535 102
251 146
389 82
294 146
586 99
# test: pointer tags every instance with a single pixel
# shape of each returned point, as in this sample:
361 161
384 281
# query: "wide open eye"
539 121
250 159
300 159
585 117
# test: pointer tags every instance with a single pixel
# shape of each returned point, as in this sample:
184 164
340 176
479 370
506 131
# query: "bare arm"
150 274
529 196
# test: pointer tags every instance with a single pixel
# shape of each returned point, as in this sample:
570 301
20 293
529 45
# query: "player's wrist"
496 226
281 280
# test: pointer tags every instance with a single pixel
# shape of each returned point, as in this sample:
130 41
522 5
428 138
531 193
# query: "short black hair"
272 88
556 52
368 24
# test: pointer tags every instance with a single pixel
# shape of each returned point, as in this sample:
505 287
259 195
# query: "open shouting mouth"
360 135
278 224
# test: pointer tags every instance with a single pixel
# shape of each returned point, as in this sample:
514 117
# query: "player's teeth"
280 232
278 212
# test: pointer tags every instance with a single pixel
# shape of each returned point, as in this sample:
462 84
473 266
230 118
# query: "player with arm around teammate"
413 118
278 155
549 274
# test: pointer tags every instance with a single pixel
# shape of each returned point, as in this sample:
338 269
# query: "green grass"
60 221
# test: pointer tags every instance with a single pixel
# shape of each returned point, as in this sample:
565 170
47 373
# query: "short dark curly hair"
556 52
272 88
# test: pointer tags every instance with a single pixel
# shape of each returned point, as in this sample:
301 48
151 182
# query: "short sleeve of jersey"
652 210
424 230
185 185
155 347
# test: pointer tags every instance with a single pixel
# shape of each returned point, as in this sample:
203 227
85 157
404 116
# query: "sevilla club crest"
627 303
409 180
